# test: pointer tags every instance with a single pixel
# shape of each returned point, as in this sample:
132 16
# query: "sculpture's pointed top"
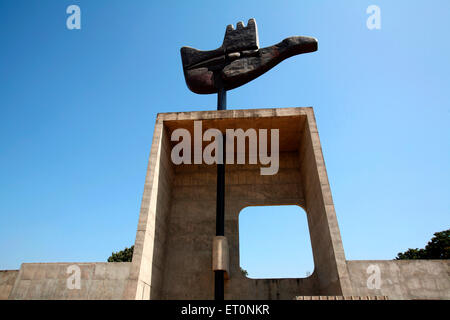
241 38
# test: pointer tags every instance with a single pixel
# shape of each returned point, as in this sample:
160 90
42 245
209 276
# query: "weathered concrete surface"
149 248
173 249
403 279
7 280
48 281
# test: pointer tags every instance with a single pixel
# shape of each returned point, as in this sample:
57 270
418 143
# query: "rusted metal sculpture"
239 60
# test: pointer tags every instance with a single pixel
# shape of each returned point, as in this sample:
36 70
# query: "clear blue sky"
77 109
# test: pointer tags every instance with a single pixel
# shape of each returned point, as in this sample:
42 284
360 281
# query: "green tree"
437 248
126 255
411 254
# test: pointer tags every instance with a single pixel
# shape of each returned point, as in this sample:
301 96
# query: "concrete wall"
192 228
48 281
173 249
7 280
403 279
147 266
328 251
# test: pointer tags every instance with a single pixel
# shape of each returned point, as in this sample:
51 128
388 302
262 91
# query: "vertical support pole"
222 99
219 275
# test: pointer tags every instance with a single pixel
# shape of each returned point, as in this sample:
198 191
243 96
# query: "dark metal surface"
220 201
219 281
222 99
239 60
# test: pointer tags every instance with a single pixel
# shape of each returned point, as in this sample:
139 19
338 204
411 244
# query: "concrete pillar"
173 248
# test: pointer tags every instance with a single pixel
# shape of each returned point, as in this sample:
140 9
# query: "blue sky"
77 109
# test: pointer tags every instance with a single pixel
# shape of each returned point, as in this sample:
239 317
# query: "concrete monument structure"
187 240
236 62
178 210
173 254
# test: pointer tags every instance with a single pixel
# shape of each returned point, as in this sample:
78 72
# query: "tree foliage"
126 255
437 248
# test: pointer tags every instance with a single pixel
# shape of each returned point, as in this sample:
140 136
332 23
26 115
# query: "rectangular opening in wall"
274 242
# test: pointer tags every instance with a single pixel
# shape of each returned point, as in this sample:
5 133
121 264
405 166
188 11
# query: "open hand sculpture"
239 60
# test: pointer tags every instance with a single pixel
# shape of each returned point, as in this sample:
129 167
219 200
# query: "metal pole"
219 278
222 99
